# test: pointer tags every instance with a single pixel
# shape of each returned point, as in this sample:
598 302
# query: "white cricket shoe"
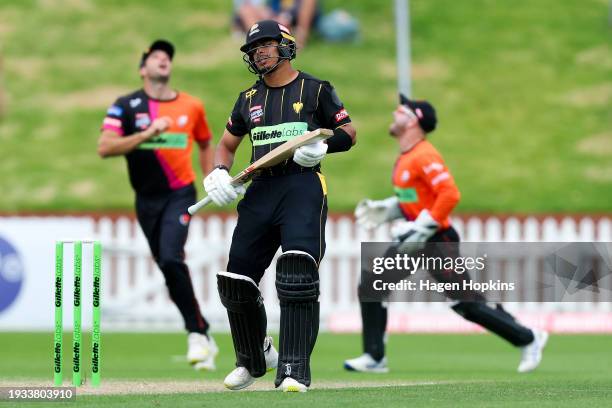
366 364
532 353
208 364
291 385
201 351
270 353
240 377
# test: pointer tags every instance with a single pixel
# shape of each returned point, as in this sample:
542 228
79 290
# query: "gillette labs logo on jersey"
264 135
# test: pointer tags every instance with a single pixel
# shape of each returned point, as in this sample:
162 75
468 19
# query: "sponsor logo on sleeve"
250 93
229 121
114 111
433 167
256 113
341 115
440 178
112 122
143 120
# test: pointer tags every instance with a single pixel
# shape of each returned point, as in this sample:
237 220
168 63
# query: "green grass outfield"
523 89
426 370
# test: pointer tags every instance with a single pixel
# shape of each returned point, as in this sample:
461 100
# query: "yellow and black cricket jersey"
271 116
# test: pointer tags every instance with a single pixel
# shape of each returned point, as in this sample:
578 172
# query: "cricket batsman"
285 205
425 195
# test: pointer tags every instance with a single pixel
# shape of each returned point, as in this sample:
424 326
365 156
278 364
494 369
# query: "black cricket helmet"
268 30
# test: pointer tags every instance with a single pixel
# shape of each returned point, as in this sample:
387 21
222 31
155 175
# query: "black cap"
161 45
266 29
425 112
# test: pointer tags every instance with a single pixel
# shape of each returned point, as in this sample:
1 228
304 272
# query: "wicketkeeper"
285 205
425 195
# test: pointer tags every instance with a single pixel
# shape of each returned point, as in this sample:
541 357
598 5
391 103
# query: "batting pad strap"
297 277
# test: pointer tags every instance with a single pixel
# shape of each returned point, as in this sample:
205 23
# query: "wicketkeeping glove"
372 213
412 235
311 154
218 186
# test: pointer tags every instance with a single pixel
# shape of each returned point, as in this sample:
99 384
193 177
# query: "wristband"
339 142
222 167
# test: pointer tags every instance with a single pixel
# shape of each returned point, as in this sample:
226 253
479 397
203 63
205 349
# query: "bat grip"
197 206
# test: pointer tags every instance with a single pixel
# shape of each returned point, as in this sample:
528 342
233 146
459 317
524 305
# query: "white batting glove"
218 186
311 154
372 213
413 235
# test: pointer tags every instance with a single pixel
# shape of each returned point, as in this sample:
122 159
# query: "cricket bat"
272 158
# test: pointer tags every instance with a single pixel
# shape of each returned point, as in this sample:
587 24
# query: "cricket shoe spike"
208 364
532 353
291 385
240 377
366 364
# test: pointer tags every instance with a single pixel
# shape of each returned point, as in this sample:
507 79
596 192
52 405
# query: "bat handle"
197 206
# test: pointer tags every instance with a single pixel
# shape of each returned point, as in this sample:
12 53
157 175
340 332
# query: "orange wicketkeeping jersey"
422 181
